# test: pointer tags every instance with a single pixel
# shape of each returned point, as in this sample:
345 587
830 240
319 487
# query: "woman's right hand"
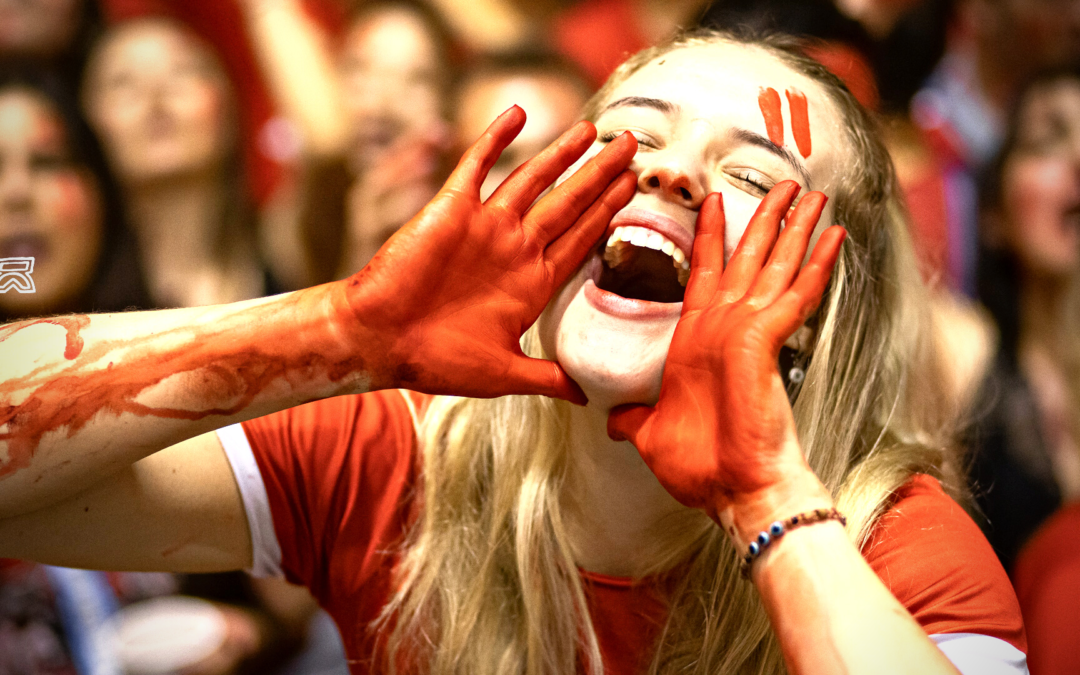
441 308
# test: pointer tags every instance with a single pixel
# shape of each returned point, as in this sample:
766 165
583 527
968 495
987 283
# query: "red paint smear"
72 324
800 120
228 381
769 102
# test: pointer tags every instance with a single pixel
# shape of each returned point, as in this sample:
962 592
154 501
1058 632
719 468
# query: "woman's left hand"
722 435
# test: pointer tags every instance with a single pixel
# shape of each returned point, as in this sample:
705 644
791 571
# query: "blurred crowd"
164 153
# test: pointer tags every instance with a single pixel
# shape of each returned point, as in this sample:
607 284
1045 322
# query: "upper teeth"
640 236
619 240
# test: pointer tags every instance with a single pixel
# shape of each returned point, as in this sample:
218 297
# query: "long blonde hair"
487 583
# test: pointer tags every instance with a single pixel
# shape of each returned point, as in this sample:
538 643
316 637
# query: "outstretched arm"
440 309
722 438
298 63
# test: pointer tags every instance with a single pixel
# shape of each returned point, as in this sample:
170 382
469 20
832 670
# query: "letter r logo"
15 274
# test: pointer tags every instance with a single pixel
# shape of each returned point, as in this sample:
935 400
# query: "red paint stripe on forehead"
800 120
769 102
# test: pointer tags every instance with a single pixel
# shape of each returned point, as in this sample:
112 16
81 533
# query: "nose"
15 188
673 176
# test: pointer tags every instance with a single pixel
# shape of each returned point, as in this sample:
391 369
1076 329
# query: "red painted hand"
722 431
442 306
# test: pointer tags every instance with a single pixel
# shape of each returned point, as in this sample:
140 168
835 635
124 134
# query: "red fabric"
341 476
598 35
221 23
936 561
1047 578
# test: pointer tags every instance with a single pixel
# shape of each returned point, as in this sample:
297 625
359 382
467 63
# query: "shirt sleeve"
935 560
338 477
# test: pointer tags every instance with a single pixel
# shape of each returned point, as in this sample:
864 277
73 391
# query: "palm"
722 426
447 299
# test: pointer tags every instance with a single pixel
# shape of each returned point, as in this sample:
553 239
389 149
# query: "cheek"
205 106
741 208
67 200
593 151
737 214
1036 186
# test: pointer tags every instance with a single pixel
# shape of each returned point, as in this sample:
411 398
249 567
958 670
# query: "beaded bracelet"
777 530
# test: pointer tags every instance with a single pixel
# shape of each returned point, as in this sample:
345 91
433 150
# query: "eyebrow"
666 107
753 138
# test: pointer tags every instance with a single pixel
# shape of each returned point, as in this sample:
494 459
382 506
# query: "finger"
787 256
546 378
707 256
527 182
561 207
477 161
629 423
568 251
791 310
757 241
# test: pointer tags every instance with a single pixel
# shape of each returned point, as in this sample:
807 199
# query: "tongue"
643 274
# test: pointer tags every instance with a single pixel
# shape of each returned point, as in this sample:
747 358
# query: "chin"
614 357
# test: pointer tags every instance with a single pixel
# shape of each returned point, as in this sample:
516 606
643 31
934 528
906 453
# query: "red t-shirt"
1047 577
340 478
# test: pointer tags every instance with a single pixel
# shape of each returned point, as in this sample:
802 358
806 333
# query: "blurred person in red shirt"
167 117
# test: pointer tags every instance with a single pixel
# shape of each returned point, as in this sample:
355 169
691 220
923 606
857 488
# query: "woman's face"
1041 182
714 118
50 208
160 103
390 73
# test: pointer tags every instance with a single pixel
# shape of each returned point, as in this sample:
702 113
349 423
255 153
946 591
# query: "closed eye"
754 180
644 140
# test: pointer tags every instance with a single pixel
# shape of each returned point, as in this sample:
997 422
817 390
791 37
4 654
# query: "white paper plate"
164 635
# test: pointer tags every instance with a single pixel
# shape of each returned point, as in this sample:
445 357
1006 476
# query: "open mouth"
642 264
28 245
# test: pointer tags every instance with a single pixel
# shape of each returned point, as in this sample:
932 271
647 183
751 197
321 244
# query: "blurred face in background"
160 103
50 207
552 102
391 72
39 28
1040 181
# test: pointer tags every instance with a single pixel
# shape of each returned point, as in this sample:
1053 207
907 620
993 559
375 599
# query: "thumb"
630 422
547 378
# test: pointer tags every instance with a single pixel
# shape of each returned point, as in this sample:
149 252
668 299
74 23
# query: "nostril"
685 193
653 182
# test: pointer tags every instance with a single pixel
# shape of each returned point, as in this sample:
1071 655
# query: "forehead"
25 118
722 84
393 34
147 44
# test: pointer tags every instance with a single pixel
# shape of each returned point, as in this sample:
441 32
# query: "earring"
793 366
796 375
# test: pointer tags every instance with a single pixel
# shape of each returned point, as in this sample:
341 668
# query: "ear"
802 340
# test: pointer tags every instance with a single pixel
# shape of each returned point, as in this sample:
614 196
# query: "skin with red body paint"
769 102
800 120
400 322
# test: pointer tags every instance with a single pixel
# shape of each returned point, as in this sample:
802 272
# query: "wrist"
747 515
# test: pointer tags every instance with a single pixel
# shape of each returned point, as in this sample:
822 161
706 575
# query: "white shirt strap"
266 551
974 654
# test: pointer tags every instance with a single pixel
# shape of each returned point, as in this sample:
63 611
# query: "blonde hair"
487 582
